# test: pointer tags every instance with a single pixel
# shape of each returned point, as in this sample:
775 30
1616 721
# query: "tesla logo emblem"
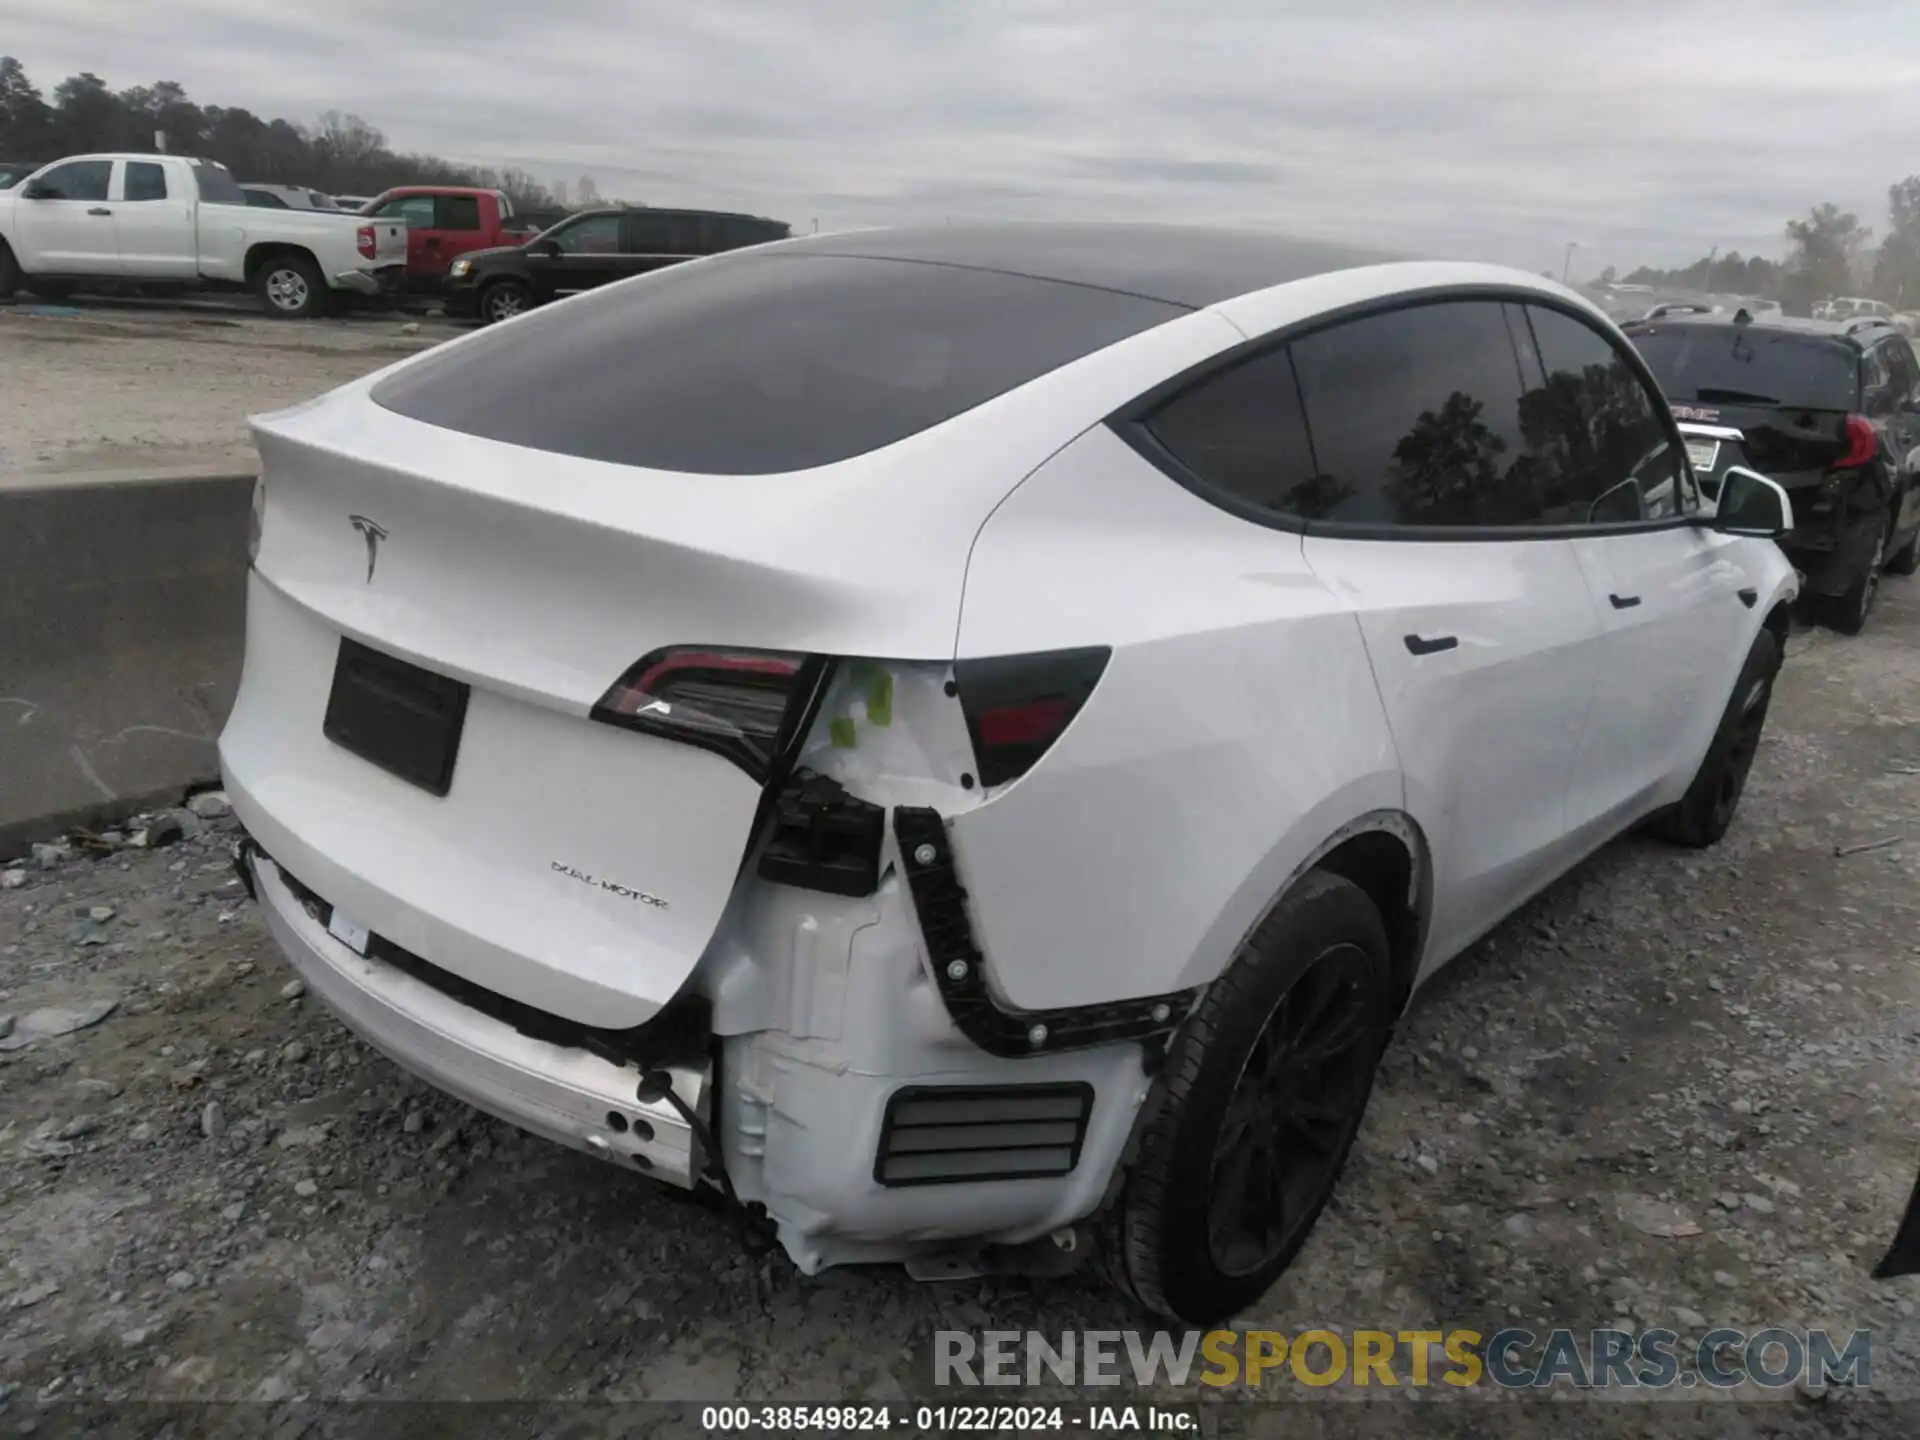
373 534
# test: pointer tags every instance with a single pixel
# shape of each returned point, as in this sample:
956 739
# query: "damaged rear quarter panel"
1237 725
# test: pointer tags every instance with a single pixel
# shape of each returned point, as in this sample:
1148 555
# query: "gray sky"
1646 130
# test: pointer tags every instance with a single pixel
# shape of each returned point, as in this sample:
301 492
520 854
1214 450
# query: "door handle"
99 210
1421 646
1623 602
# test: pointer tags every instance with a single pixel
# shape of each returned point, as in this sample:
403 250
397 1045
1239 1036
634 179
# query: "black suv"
593 248
1831 410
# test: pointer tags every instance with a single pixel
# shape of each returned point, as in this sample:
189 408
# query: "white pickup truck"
168 221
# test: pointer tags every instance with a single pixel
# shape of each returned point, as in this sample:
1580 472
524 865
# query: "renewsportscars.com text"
1511 1358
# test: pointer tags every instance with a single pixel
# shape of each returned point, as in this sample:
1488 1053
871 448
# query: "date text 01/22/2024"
949 1419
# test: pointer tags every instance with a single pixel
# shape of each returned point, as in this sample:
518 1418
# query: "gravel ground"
118 388
1676 1090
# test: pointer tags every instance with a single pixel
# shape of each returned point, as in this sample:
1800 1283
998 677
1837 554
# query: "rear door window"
1599 447
145 180
763 362
456 212
1414 416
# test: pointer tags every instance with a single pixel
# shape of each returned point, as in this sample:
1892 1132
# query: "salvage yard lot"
116 387
1677 1090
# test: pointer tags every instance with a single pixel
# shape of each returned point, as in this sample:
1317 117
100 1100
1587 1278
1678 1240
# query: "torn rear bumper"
563 1094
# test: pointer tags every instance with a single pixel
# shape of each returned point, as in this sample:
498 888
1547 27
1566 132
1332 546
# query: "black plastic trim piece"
823 838
889 1122
959 969
1749 598
1129 424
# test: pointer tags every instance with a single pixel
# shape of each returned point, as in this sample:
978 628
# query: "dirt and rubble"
1677 1090
102 387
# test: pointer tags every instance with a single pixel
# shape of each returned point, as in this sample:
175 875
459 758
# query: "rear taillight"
363 238
1017 705
733 702
1863 443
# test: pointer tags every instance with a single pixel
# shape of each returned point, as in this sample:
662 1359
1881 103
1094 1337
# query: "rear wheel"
291 288
1258 1105
503 300
1704 813
9 272
1848 611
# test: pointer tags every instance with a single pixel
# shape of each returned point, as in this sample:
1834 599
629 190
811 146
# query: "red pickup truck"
446 221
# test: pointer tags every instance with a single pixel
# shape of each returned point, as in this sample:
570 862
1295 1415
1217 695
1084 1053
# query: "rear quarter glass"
762 363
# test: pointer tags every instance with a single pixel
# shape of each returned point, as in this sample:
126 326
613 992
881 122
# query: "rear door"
1423 516
153 226
461 223
657 239
68 230
1667 591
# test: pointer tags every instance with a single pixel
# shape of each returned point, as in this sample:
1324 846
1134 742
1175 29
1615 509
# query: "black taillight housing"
1016 706
737 703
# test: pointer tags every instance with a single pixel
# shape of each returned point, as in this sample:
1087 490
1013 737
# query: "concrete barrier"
122 623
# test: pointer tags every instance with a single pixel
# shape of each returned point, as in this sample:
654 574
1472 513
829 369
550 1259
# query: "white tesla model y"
964 741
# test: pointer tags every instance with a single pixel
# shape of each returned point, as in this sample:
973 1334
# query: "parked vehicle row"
590 249
971 772
169 222
1829 409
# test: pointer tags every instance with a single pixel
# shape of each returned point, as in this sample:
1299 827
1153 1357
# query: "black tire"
1848 611
291 287
503 300
1211 1150
1906 559
1708 807
9 272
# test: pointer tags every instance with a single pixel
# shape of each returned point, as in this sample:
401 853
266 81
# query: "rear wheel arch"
1780 621
1385 853
258 256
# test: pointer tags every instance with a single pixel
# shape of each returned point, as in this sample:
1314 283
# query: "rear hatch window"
1750 365
757 363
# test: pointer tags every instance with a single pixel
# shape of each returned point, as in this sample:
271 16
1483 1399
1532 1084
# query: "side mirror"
1751 504
34 190
545 249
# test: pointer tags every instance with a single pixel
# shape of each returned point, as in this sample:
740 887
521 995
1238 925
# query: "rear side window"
146 181
217 185
762 362
456 212
1244 431
77 180
1598 447
1414 416
1749 365
266 200
668 234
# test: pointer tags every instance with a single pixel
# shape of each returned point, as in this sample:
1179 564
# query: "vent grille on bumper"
959 1134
